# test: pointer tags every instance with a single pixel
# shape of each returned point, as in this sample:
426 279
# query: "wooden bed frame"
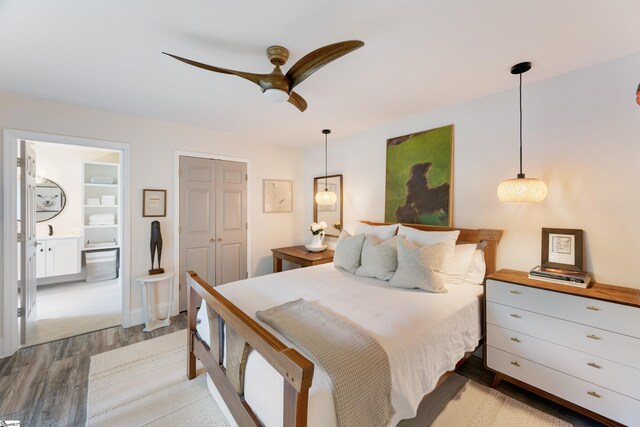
296 370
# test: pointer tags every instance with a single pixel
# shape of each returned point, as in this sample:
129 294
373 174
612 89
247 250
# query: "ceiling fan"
277 86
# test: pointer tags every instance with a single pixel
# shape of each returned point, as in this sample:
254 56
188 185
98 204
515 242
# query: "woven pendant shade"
326 197
523 190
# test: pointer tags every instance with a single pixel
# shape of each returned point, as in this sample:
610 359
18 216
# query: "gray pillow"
379 258
348 251
420 266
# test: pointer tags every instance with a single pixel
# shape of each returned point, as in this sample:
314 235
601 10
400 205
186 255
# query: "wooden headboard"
490 239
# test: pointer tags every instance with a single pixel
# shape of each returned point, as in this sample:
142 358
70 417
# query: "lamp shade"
326 197
522 190
276 95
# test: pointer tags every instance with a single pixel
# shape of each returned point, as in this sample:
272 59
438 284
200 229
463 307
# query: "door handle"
219 239
212 240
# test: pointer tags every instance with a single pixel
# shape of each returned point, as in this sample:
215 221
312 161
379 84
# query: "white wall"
153 144
581 135
63 165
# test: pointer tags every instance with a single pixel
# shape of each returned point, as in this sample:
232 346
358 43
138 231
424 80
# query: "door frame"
9 224
176 210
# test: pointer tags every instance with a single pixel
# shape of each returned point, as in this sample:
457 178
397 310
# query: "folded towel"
93 201
102 223
101 180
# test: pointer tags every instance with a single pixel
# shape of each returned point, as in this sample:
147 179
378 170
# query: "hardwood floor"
47 384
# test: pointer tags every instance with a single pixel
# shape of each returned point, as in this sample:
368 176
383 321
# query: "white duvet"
424 334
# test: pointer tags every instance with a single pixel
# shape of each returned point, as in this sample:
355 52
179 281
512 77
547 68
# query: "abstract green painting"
419 186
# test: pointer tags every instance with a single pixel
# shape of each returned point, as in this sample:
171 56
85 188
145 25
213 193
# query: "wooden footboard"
296 370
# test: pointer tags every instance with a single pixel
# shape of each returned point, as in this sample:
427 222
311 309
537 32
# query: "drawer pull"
594 394
515 292
594 365
515 340
515 364
593 307
517 316
594 337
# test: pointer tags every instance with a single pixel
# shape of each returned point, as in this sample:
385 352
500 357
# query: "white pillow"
420 266
460 264
348 250
425 238
379 258
477 269
383 232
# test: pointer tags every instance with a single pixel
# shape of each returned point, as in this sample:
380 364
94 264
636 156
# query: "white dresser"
579 345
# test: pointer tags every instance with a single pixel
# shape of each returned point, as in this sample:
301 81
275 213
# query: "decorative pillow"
420 266
477 269
379 258
460 263
383 232
348 250
424 238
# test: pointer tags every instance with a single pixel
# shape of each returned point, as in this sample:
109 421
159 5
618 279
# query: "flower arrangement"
317 227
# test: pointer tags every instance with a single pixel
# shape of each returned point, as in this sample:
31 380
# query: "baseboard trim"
136 316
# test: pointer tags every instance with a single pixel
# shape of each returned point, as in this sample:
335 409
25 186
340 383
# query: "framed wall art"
154 203
277 195
562 248
419 178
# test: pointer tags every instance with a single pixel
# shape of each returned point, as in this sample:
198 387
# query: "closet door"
197 222
231 221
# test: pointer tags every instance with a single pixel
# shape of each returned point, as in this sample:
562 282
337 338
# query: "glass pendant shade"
326 197
523 190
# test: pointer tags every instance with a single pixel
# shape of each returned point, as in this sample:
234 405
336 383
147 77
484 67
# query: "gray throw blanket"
356 363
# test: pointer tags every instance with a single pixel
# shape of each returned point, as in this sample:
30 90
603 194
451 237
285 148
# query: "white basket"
101 265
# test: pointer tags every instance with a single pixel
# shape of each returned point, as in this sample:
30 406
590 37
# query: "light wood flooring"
67 309
47 384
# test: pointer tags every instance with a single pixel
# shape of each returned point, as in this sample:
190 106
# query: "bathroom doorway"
78 209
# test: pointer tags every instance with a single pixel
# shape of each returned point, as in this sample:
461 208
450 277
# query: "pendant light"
522 189
326 197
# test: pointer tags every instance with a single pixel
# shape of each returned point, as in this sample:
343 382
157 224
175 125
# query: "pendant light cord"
326 186
521 174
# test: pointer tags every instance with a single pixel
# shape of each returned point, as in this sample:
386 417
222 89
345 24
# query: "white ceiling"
419 55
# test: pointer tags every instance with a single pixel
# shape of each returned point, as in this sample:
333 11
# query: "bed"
424 335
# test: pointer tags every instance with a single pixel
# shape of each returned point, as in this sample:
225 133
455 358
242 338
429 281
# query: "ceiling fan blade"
255 78
317 59
298 101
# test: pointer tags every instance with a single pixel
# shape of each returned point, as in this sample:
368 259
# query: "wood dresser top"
599 291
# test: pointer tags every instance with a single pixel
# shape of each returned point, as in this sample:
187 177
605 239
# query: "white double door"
213 221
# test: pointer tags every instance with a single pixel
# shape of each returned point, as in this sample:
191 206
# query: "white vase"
316 240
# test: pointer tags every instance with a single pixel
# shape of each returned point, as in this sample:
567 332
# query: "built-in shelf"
88 184
108 234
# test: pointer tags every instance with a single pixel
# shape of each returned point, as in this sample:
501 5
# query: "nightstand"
301 256
578 347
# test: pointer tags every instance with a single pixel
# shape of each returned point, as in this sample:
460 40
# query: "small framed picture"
277 195
562 248
154 203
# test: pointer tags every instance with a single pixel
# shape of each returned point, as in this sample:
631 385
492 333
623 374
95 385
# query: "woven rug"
145 384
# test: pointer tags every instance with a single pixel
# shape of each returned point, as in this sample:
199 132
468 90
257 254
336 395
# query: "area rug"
144 384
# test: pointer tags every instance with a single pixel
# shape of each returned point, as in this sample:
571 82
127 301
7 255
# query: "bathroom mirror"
331 214
50 199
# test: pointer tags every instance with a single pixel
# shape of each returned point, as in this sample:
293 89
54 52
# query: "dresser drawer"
614 376
601 314
597 399
598 342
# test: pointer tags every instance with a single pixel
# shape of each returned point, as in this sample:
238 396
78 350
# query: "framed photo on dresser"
562 248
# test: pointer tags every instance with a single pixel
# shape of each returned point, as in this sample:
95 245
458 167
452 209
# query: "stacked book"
579 279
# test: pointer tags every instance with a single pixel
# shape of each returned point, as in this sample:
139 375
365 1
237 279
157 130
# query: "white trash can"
101 265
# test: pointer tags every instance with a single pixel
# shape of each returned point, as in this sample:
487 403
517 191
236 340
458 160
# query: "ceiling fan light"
276 95
326 197
522 190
